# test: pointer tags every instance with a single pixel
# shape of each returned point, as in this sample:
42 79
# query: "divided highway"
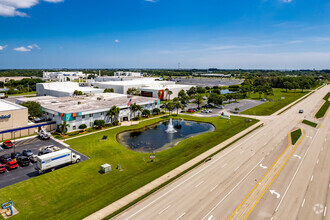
216 189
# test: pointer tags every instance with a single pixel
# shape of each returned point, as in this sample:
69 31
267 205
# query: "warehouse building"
62 76
86 109
160 91
64 89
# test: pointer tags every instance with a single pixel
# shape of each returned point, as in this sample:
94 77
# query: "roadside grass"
75 191
295 135
321 112
276 104
309 123
25 93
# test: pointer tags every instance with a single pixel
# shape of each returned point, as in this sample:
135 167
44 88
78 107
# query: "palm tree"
63 127
169 92
135 108
198 100
166 90
177 106
113 111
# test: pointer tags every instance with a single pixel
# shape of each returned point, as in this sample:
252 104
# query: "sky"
246 34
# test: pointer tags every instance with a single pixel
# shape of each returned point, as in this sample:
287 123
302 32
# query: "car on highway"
301 111
7 144
5 158
16 154
27 152
2 168
23 161
11 165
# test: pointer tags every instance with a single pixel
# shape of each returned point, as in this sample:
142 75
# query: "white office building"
63 76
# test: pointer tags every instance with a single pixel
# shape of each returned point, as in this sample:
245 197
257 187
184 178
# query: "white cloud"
27 48
9 8
116 41
3 47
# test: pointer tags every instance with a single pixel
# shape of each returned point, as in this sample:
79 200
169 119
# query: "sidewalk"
157 182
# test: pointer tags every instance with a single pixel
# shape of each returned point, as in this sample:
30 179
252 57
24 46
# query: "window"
83 116
102 113
90 115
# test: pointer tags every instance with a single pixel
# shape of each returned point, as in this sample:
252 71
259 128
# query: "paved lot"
23 173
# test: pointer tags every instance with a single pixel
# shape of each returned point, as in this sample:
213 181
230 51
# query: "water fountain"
170 129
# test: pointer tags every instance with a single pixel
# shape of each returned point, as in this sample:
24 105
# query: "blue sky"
264 34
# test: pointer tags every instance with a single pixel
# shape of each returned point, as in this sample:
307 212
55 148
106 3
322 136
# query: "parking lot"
22 173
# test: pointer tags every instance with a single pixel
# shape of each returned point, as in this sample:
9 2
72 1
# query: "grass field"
309 123
269 108
295 135
321 112
76 191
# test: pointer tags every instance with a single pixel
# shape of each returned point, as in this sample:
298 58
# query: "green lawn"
309 123
76 191
276 104
295 135
25 93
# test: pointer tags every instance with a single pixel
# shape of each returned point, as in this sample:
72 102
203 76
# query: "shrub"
156 111
82 126
99 123
115 123
104 137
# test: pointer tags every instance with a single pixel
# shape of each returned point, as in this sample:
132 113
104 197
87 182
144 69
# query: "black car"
23 161
15 155
5 158
27 152
46 151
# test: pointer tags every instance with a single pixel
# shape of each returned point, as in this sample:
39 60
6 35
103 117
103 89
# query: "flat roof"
87 103
68 87
135 82
158 87
8 106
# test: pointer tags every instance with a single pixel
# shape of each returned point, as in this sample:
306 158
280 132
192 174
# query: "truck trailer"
52 160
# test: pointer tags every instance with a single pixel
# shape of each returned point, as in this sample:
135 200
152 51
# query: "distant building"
159 91
85 110
132 74
62 76
63 89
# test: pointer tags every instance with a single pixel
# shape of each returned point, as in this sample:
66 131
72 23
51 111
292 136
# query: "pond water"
155 138
225 91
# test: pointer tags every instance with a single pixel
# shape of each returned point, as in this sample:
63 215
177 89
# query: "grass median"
321 112
309 123
76 191
295 135
275 104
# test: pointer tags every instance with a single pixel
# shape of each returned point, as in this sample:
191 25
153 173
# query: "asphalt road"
258 177
24 173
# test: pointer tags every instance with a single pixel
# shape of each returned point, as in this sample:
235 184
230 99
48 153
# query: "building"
122 86
12 116
62 76
132 74
117 78
63 89
159 91
86 109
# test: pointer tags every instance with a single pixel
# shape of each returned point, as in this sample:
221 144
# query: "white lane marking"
312 178
302 204
192 176
325 211
264 167
224 165
272 218
276 193
236 168
181 216
317 162
279 204
214 188
295 155
232 189
164 210
210 218
199 184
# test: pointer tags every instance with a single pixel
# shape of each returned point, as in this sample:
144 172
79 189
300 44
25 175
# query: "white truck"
57 158
43 134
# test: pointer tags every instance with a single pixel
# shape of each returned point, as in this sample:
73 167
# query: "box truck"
58 158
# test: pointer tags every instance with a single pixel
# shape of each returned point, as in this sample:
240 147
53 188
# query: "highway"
260 176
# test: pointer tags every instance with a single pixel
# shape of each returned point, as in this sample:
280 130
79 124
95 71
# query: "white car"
50 147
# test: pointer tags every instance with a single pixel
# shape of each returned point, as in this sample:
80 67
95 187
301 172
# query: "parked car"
46 151
11 165
33 158
263 100
27 152
7 144
2 168
15 155
5 158
220 107
50 147
190 110
301 111
207 106
23 161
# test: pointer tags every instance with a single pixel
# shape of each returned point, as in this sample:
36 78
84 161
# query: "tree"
169 106
200 89
191 91
146 113
34 108
182 95
113 112
258 89
108 90
99 123
76 92
63 128
295 85
82 126
178 106
287 85
133 91
229 96
213 98
169 93
156 111
135 108
198 100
